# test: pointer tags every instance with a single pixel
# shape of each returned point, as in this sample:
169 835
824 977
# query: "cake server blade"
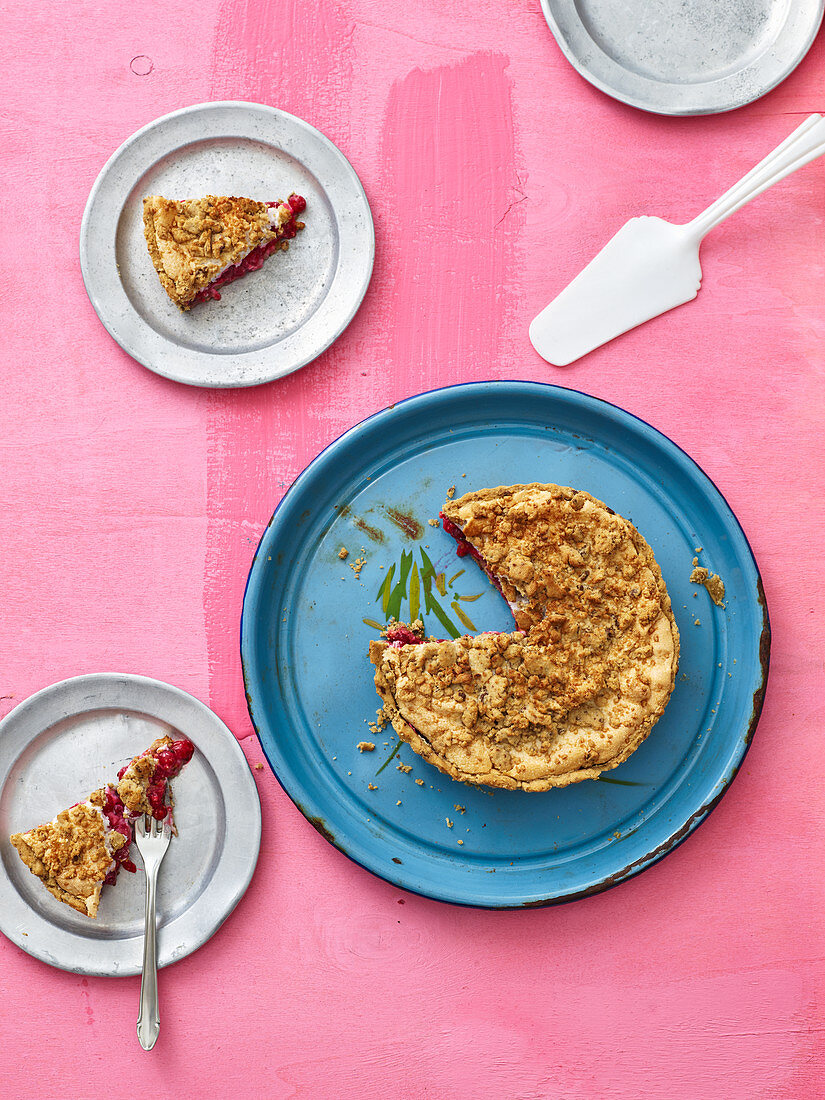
651 266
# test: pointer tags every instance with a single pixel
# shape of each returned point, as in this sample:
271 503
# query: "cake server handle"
805 144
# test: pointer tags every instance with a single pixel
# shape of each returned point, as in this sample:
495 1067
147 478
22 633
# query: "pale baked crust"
573 692
73 854
192 241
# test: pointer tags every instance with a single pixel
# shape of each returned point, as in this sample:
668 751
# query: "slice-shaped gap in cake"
402 634
516 601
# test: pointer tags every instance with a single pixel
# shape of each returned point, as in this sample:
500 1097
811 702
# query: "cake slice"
84 847
581 681
77 853
200 245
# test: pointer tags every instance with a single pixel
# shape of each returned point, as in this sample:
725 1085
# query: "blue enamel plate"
309 615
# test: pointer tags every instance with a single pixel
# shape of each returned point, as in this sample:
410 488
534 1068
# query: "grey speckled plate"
73 737
675 57
272 321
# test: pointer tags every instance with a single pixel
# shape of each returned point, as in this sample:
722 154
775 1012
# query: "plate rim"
128 346
101 682
817 8
679 833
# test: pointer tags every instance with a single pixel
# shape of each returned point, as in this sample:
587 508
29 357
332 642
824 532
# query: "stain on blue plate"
309 682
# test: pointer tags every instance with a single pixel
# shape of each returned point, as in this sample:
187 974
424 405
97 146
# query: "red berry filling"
156 797
118 819
464 548
399 635
255 259
168 762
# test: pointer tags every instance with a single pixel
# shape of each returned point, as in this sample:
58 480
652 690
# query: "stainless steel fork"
152 842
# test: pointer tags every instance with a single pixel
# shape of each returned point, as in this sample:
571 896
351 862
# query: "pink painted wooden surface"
132 506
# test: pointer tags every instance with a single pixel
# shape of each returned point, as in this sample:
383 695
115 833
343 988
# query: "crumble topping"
134 782
578 686
193 241
72 854
380 722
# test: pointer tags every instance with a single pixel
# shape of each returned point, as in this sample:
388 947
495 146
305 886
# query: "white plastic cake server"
651 265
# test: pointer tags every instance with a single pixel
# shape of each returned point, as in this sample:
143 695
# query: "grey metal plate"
684 58
272 321
71 738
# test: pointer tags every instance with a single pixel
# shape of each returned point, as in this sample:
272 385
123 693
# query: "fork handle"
148 1021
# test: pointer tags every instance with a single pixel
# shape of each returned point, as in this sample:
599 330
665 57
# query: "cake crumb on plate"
711 581
357 565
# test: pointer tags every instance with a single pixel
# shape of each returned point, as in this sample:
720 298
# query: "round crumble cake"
577 687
